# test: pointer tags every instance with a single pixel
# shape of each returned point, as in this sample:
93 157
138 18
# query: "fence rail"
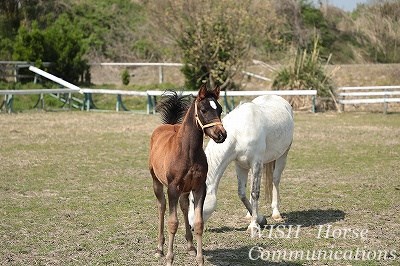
368 95
346 95
151 96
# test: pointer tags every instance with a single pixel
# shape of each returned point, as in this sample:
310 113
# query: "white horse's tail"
268 176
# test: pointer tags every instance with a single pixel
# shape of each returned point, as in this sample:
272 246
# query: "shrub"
305 72
125 77
61 44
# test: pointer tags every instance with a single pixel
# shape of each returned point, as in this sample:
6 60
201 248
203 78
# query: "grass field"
75 190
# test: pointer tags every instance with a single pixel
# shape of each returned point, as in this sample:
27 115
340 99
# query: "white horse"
260 134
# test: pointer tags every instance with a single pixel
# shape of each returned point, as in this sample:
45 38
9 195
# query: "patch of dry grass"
75 190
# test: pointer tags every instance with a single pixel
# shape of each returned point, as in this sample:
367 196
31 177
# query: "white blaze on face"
213 105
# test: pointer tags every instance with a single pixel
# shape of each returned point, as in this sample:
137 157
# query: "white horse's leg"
279 166
257 221
242 175
184 203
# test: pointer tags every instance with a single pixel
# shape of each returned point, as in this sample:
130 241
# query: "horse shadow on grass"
309 218
240 257
243 256
306 218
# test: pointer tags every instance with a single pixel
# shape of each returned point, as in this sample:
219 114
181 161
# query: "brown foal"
177 161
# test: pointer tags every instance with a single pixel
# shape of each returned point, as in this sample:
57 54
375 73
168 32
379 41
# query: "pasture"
75 190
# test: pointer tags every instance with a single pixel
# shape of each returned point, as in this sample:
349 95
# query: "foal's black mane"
173 107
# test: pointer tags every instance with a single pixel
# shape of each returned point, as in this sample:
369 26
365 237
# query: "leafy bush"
68 49
305 72
61 44
31 45
125 77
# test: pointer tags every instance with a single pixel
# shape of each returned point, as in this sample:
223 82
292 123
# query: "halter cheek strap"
199 121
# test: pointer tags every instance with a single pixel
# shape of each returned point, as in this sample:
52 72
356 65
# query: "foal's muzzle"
217 133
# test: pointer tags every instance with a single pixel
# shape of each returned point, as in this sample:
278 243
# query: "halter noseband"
200 123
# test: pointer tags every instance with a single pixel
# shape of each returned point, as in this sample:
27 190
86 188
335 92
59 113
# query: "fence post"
160 75
9 103
313 104
117 105
148 104
42 101
69 101
385 104
86 103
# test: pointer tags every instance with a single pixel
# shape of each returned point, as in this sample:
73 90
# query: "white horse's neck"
218 156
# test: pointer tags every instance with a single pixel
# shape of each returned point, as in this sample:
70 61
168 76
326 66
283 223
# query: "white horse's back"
263 126
273 101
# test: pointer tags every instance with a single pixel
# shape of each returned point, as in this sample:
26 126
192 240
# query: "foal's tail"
268 176
173 107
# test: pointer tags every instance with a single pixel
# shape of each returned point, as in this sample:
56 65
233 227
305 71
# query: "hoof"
200 260
278 218
254 230
192 251
262 221
158 253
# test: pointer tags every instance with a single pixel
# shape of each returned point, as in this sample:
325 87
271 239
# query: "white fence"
12 69
368 95
346 95
153 94
150 94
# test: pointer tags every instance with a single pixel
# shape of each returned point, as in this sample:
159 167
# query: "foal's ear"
202 91
217 90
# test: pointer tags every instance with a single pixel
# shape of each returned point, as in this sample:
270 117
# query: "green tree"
68 48
10 18
30 44
61 43
213 36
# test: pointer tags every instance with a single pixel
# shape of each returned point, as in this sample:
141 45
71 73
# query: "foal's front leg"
199 196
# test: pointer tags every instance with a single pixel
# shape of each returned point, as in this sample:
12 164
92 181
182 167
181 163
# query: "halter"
199 122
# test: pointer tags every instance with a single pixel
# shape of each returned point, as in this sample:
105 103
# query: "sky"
347 5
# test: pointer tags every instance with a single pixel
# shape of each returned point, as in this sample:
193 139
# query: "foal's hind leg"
161 203
173 197
184 203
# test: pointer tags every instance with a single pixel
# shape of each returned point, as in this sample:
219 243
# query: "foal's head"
208 114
